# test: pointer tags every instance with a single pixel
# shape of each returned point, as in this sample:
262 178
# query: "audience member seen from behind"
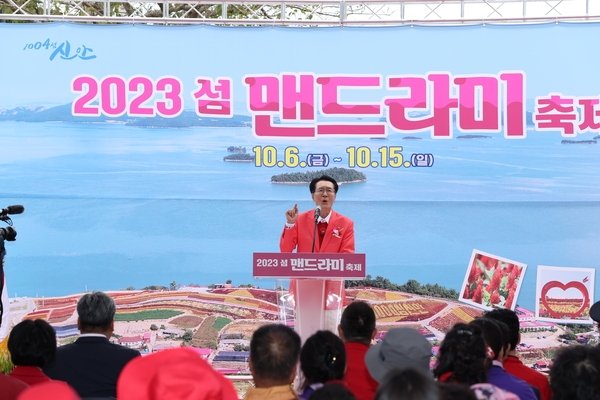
455 391
462 359
173 374
575 373
50 390
10 388
512 364
357 330
274 352
91 365
495 334
332 391
322 359
400 348
32 346
407 384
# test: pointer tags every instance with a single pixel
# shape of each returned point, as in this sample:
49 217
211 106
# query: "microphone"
317 213
17 209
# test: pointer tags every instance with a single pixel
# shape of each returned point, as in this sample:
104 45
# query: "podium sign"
309 265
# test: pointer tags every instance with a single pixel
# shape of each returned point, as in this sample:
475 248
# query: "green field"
146 315
220 323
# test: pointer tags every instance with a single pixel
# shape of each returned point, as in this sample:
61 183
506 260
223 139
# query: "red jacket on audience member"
515 367
10 388
359 381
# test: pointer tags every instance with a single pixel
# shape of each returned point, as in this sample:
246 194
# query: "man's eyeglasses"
325 190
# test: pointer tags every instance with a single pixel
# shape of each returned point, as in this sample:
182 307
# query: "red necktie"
321 229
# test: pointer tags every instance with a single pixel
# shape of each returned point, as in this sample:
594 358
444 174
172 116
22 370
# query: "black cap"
595 311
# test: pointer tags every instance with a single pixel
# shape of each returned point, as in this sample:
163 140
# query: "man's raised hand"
292 215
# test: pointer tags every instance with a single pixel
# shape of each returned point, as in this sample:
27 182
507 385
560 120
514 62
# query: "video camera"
9 233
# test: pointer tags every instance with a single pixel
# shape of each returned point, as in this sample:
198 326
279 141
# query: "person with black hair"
274 352
512 364
455 391
407 384
32 346
462 359
334 233
332 391
92 364
322 360
496 338
461 356
357 330
574 374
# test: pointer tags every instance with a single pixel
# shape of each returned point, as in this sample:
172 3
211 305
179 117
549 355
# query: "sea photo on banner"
564 295
146 155
492 281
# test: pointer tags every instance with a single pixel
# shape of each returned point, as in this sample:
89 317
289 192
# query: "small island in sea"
473 137
236 149
578 142
411 138
341 175
239 157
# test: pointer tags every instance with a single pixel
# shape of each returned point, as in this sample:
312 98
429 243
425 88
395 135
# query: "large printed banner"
146 155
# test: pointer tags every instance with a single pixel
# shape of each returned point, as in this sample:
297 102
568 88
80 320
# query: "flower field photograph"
564 294
492 281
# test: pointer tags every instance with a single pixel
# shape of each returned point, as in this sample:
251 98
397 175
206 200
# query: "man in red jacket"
321 230
334 232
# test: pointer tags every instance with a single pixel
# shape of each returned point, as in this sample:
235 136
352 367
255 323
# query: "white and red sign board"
309 265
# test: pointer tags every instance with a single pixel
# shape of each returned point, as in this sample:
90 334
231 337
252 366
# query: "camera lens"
9 233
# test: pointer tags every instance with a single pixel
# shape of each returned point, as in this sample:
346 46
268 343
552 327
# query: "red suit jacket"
339 237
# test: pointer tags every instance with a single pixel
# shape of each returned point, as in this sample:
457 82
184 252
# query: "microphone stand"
314 235
317 215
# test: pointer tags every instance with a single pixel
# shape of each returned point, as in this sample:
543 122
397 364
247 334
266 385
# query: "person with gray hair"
92 364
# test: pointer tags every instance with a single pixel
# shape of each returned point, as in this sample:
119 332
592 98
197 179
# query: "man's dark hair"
510 318
96 311
322 358
313 183
494 335
32 343
274 351
407 384
575 372
331 391
358 322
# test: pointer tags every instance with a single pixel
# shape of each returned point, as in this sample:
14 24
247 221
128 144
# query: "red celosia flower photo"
492 281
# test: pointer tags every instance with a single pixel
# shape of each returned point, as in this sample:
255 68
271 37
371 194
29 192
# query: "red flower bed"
266 295
40 314
61 314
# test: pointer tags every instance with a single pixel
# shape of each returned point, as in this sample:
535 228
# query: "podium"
316 288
